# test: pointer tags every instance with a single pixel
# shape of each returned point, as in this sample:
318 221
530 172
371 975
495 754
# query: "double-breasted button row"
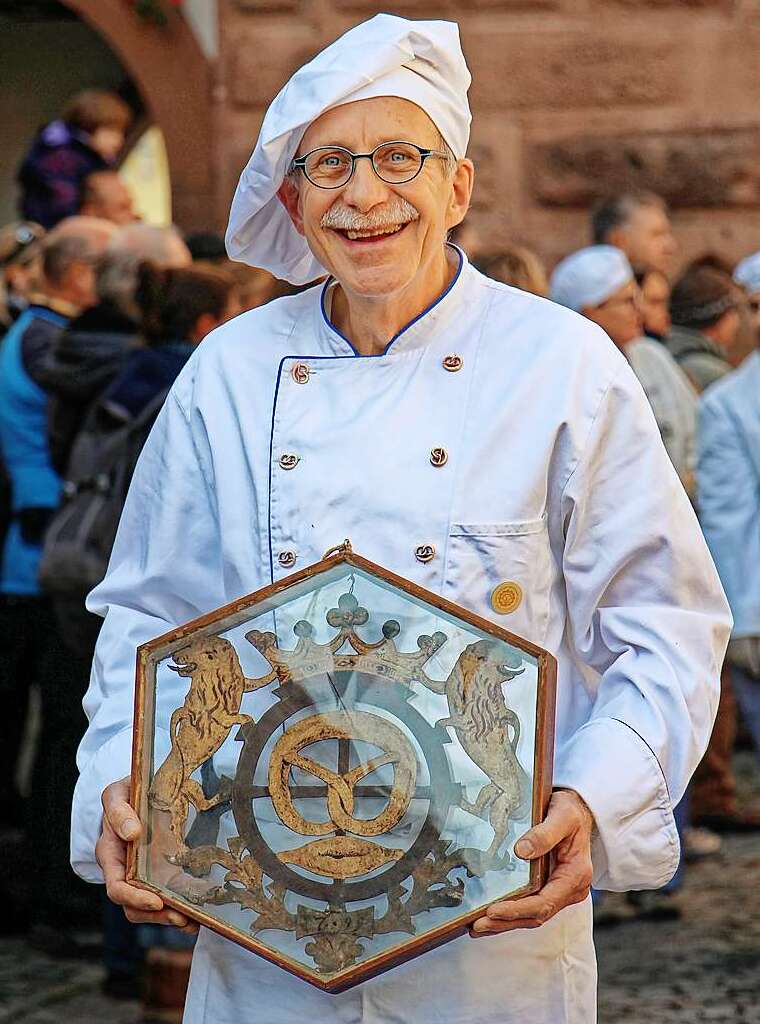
438 455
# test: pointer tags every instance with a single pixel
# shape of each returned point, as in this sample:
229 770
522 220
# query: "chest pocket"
502 571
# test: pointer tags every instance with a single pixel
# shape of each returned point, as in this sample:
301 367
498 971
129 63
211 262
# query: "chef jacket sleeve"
162 569
649 621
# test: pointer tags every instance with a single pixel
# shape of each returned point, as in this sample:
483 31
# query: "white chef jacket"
556 478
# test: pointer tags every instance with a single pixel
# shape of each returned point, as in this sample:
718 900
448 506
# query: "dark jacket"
86 359
701 359
51 175
146 373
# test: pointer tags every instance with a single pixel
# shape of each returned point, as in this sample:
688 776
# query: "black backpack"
81 533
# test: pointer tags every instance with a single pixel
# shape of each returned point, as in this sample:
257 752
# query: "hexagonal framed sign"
334 771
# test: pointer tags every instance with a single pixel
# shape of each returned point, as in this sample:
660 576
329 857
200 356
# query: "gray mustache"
343 218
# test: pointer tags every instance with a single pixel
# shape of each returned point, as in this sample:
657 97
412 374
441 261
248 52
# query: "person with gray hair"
637 222
91 352
467 436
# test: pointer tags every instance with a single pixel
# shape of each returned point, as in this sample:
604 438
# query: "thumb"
543 837
119 814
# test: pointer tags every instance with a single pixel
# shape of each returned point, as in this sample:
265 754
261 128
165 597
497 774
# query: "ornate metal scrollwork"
343 734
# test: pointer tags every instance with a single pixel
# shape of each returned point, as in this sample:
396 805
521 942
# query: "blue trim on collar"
394 339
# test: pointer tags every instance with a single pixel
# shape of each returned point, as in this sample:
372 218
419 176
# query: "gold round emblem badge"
507 597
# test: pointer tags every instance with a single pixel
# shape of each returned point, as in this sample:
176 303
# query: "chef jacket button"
287 559
453 363
439 456
289 461
424 553
507 597
300 373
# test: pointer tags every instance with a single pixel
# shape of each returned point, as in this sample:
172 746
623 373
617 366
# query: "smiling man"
462 433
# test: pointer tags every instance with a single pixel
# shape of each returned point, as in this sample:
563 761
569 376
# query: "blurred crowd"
99 313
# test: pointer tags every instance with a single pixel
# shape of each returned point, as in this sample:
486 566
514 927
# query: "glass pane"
338 769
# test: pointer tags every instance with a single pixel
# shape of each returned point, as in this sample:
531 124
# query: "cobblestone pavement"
705 967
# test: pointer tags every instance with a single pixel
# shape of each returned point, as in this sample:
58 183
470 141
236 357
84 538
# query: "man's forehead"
380 118
648 215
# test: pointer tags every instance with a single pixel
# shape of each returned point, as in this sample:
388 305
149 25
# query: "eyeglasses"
393 162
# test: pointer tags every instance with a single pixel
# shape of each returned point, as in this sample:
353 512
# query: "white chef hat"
589 276
421 61
747 273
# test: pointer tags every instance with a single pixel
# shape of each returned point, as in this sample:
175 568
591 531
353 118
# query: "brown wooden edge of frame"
542 767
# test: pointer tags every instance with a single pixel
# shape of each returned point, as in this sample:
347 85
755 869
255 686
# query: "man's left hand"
567 831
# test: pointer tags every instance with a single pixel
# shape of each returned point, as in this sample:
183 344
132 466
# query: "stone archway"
174 78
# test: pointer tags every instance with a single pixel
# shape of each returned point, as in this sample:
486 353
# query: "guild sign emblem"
366 787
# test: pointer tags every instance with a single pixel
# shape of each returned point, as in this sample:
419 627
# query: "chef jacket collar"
436 317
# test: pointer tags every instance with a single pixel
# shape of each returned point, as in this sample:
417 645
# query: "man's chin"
374 282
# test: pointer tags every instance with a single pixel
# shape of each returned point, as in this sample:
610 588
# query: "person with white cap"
599 282
462 433
747 274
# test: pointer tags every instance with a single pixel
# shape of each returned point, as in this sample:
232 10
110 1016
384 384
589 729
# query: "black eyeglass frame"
299 164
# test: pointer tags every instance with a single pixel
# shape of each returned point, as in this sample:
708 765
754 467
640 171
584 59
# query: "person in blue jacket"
728 480
31 652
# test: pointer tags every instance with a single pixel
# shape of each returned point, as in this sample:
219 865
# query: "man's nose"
365 190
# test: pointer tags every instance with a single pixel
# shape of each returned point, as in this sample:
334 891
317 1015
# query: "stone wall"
571 99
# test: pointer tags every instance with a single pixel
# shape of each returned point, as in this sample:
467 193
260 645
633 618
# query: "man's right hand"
120 826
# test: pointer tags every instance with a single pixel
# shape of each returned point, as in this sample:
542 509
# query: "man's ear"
290 197
616 237
461 191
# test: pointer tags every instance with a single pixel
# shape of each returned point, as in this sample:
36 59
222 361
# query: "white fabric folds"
421 61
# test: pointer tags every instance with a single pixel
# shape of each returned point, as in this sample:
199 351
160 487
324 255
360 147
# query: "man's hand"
120 826
566 830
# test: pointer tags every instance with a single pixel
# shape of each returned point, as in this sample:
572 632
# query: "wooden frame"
297 681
